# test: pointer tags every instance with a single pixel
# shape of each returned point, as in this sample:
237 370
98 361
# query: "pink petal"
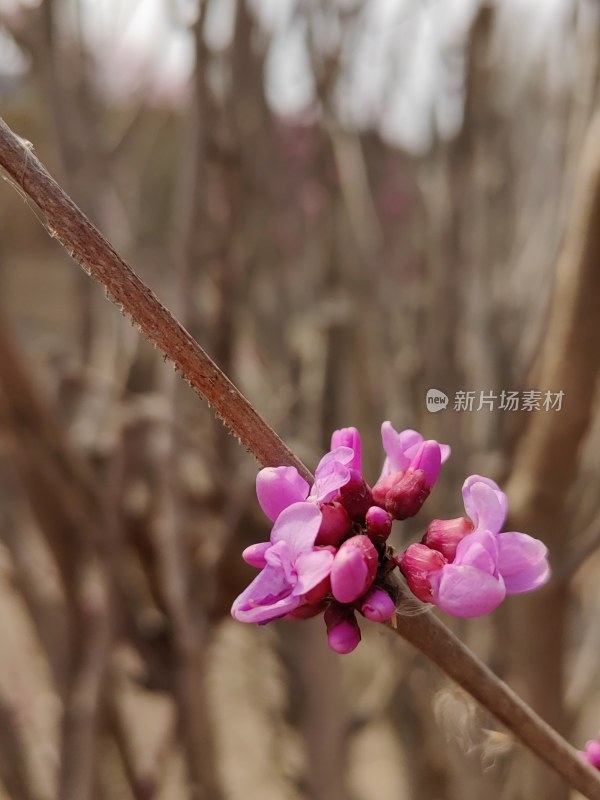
485 503
396 446
279 557
297 526
466 591
446 451
332 472
312 568
279 487
349 437
428 458
255 554
480 550
522 562
268 597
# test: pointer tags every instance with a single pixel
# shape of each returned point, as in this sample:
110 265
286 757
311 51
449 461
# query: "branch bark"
438 643
96 256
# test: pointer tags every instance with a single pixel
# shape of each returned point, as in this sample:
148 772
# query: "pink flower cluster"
328 550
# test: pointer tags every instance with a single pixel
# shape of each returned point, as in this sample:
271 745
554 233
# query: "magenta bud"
444 535
379 525
407 494
343 633
417 563
382 487
353 569
377 605
335 524
356 496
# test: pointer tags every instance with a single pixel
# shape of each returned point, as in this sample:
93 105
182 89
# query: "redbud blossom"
417 563
353 569
407 494
379 525
343 633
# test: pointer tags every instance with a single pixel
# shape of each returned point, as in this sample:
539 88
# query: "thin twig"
438 643
97 257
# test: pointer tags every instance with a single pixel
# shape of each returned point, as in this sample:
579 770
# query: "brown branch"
438 643
97 257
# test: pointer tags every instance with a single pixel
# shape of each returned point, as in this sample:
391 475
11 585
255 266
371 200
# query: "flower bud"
349 437
417 563
343 633
444 535
407 494
356 496
335 524
353 569
379 525
382 487
377 605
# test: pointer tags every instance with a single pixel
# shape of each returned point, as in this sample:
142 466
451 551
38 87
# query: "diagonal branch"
97 257
429 635
89 249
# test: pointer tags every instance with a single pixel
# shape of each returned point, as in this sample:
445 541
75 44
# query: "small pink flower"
405 450
488 564
279 487
293 566
410 470
353 569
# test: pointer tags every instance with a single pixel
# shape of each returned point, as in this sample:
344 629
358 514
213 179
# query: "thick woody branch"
96 256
